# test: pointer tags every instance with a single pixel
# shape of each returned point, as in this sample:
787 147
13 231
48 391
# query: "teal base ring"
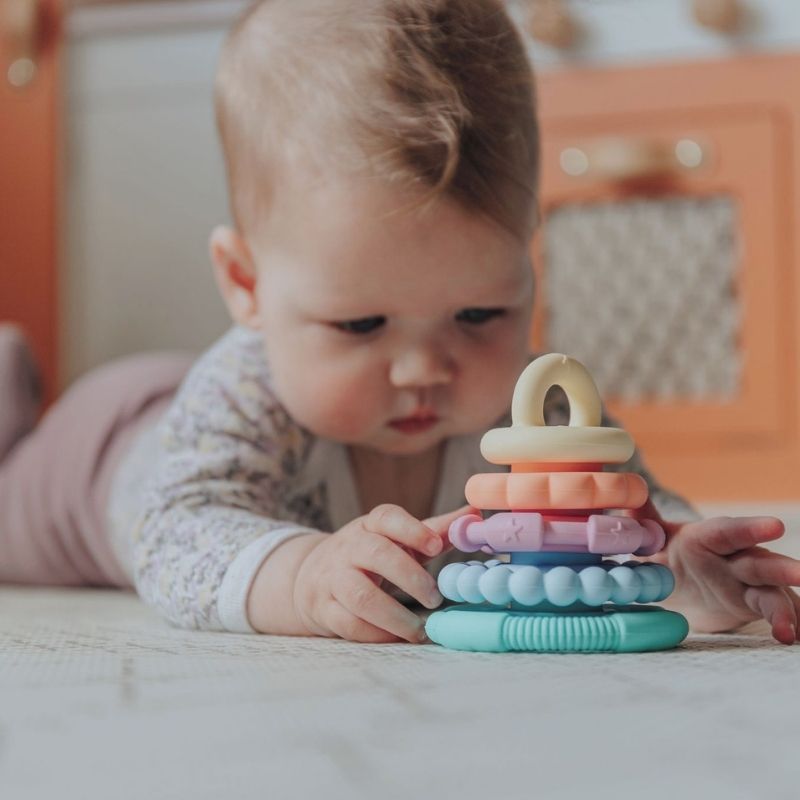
611 629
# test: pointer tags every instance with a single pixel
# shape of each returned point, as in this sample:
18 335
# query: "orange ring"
517 491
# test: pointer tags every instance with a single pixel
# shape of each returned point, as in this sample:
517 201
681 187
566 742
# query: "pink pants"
54 484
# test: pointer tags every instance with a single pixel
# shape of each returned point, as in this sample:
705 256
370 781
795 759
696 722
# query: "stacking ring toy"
625 629
555 592
530 439
529 531
556 490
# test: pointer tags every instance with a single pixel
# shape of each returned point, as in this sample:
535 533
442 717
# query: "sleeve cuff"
232 598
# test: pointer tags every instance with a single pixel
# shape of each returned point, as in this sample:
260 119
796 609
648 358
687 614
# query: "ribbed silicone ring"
529 531
625 629
555 490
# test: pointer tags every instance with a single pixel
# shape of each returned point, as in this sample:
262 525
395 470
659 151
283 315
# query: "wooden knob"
551 23
723 16
20 24
631 159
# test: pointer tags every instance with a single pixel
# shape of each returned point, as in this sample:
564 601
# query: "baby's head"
382 166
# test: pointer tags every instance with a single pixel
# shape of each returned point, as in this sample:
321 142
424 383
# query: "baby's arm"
216 548
724 578
331 584
218 504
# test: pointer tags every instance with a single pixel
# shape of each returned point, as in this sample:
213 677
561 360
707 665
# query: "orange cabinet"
667 262
29 125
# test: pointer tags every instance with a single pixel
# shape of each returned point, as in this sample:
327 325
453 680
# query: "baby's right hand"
337 589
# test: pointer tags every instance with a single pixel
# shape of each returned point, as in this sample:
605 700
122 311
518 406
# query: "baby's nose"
421 367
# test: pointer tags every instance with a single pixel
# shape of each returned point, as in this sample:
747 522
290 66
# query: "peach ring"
518 491
530 439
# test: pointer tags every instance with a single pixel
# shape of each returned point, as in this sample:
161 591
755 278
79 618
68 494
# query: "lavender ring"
528 531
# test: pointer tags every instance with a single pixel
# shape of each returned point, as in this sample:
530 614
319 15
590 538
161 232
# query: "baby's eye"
360 326
478 316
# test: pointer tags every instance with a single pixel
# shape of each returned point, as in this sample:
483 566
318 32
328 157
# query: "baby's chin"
391 442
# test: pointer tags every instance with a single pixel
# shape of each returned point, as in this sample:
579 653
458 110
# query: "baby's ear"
235 272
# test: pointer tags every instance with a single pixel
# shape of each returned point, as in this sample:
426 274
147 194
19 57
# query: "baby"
382 166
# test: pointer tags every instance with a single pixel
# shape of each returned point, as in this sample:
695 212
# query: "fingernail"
433 546
435 599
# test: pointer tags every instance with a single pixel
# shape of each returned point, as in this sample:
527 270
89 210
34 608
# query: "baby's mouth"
418 422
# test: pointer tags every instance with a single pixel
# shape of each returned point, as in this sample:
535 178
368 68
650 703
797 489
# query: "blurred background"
669 200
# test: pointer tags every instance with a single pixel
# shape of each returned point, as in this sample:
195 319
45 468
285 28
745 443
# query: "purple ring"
521 531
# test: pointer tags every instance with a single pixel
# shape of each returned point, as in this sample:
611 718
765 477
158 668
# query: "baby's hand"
338 586
724 579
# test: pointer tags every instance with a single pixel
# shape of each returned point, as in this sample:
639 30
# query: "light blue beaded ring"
529 586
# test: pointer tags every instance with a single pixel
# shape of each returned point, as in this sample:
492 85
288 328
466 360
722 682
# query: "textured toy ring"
629 629
500 584
555 490
531 532
530 439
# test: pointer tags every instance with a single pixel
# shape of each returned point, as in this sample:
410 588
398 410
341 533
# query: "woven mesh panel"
642 292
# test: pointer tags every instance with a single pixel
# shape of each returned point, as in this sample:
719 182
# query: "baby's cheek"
339 406
489 385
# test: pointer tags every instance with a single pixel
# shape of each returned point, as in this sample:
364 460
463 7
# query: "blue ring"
527 586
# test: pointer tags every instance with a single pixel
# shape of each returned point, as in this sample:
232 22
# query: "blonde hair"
431 94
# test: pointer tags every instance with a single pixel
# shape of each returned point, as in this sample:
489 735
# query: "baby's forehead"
342 278
361 232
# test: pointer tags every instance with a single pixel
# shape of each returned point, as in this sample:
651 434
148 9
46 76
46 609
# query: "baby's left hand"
723 579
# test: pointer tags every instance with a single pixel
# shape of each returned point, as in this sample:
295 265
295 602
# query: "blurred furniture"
105 200
667 261
30 48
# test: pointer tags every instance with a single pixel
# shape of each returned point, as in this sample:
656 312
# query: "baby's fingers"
727 535
760 567
775 606
796 603
364 600
347 625
397 524
381 556
441 525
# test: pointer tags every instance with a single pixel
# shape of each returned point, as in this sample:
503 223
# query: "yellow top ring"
529 439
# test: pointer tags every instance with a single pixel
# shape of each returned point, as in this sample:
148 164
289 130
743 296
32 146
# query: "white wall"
144 186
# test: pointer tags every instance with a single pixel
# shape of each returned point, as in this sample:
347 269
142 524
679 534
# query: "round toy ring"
555 490
530 439
561 586
626 629
603 534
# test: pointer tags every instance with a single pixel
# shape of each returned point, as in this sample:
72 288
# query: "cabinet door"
28 173
675 285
